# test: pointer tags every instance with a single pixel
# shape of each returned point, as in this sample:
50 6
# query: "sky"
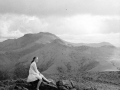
76 21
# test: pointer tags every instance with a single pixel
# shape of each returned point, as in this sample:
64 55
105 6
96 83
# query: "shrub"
21 71
4 75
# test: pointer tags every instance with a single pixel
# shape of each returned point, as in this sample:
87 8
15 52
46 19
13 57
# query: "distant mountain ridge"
55 55
101 44
45 37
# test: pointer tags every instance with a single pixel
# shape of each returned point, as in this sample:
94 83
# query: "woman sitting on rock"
34 74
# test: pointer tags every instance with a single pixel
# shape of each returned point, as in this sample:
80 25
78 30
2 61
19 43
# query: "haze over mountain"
55 55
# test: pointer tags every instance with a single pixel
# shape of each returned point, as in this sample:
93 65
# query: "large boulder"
59 85
23 85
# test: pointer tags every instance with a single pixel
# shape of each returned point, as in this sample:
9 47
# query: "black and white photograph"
59 44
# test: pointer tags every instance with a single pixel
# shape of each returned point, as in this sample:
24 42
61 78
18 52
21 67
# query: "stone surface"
21 84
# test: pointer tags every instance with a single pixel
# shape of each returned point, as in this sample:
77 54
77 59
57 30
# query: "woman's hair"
33 59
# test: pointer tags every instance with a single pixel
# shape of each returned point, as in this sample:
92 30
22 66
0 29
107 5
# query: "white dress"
34 74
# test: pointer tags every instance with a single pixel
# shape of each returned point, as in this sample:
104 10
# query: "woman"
34 74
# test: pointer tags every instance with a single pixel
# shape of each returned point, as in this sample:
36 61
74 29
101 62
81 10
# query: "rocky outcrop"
21 84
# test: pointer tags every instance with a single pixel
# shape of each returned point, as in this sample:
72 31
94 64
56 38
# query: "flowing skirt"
34 77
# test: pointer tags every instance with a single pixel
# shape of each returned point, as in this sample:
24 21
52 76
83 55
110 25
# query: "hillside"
55 55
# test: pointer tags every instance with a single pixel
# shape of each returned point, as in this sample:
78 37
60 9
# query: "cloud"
60 8
2 39
17 25
85 27
74 20
83 24
112 26
4 31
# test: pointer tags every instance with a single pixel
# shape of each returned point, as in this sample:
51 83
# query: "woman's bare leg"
46 79
38 85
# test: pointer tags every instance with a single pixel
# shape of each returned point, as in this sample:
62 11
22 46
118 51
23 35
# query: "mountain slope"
55 56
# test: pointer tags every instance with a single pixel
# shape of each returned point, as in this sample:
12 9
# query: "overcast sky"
78 21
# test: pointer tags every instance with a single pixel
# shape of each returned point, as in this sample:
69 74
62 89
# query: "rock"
2 88
21 84
73 89
48 86
90 88
65 84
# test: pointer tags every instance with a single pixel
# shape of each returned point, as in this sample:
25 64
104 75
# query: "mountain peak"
105 43
27 40
48 34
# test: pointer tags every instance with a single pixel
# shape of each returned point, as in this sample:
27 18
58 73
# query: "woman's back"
33 69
